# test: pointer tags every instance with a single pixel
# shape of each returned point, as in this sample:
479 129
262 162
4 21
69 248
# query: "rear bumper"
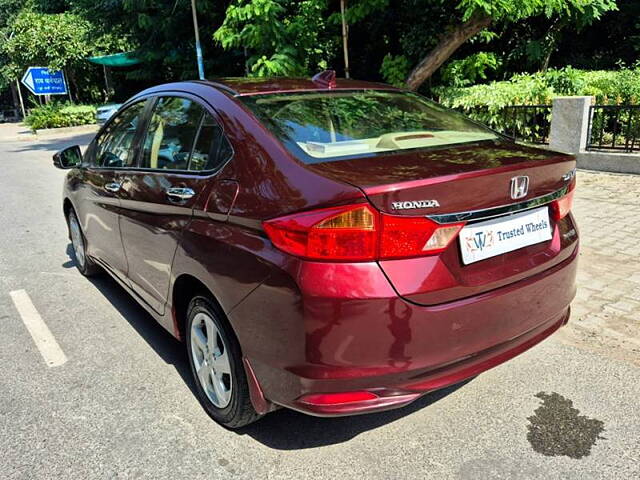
376 342
404 394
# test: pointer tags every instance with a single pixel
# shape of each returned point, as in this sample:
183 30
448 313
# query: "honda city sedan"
331 246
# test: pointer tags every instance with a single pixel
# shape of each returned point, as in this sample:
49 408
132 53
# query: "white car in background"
105 112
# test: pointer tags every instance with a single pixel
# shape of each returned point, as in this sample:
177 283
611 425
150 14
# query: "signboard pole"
24 114
197 37
64 75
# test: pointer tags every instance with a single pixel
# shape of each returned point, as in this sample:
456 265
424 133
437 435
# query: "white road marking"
42 336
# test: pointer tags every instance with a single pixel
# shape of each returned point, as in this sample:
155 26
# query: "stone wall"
570 134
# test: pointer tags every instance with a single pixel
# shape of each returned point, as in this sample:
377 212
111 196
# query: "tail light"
560 208
358 233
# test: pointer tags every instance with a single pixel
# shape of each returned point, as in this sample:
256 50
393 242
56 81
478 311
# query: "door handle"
113 187
180 193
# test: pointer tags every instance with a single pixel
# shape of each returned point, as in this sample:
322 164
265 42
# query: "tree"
279 37
57 41
477 15
404 42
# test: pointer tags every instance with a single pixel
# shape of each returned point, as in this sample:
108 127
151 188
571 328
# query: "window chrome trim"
487 213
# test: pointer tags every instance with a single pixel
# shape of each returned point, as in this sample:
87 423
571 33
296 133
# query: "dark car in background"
331 246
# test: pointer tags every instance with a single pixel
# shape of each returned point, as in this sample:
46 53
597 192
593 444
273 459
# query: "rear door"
109 156
178 157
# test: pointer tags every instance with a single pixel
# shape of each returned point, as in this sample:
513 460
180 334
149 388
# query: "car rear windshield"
327 126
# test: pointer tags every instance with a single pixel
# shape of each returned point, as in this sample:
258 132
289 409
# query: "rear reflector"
358 233
337 398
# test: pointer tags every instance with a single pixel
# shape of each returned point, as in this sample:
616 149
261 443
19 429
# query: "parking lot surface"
118 402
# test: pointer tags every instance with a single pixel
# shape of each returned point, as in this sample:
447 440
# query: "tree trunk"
14 97
448 44
552 35
75 95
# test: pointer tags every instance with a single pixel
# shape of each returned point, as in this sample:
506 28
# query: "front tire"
83 262
216 365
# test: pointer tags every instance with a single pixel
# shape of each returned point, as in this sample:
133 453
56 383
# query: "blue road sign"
42 81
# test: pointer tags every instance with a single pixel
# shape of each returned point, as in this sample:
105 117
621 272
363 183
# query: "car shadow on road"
283 429
163 343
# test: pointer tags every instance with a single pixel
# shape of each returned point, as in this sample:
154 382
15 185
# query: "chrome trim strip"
492 212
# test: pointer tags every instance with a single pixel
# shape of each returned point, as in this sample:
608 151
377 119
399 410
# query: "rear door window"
212 149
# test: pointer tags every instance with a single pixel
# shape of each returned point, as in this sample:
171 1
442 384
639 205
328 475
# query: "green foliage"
486 103
283 37
9 9
469 70
585 11
52 40
613 87
429 22
395 69
360 9
300 37
54 115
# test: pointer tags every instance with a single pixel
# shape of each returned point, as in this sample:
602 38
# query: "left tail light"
358 233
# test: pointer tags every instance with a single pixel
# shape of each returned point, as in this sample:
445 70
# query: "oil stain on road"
556 428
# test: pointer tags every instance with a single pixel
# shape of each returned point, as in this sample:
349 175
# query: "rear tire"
216 365
83 262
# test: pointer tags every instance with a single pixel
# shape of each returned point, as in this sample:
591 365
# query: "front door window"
114 147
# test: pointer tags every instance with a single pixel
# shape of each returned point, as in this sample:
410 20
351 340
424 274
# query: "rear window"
326 126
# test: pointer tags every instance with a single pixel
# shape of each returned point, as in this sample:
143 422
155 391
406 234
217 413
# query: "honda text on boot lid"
331 246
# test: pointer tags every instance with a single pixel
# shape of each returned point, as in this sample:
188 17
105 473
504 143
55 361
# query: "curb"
66 130
27 135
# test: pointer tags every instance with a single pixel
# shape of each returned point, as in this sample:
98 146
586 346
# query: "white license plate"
501 235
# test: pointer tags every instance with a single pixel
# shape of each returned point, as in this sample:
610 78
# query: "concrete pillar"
569 124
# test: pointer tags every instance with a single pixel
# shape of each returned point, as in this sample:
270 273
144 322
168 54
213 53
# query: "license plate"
501 235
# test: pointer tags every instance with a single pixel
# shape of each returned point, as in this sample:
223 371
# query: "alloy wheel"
211 360
76 240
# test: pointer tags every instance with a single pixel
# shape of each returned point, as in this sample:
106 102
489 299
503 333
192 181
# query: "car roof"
242 86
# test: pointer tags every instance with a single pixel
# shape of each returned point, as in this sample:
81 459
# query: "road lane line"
42 336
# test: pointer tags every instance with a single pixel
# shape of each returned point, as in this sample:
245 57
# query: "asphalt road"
121 405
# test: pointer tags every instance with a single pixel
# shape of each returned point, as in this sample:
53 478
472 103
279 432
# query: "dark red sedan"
330 246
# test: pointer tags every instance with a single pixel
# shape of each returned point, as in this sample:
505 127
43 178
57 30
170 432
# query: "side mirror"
70 157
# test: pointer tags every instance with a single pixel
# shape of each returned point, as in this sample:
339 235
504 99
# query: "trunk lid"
465 178
456 180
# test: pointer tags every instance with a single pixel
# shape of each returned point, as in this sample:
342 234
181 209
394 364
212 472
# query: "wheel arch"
185 287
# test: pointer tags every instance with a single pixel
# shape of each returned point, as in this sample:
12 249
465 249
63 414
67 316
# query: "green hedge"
54 115
486 102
